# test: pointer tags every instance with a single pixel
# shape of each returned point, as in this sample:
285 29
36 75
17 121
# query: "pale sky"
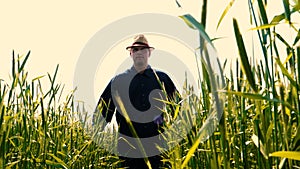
56 32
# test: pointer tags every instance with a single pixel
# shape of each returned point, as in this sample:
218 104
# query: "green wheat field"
259 127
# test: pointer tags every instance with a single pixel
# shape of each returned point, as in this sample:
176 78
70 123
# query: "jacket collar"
148 71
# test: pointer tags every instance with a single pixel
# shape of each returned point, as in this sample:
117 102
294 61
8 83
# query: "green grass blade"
225 12
285 72
54 164
204 13
59 161
287 11
282 40
178 4
206 75
266 26
278 18
191 151
24 62
254 96
295 155
13 64
37 78
12 165
262 41
262 11
52 79
194 24
246 68
298 78
297 38
2 107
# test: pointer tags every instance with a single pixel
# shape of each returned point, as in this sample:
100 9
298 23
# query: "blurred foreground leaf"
287 154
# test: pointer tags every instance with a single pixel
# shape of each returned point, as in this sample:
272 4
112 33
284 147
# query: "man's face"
140 55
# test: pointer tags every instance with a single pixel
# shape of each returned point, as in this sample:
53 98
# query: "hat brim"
139 45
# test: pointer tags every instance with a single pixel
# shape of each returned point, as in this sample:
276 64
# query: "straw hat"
139 40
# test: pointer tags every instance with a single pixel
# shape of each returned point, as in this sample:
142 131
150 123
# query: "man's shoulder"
126 74
160 73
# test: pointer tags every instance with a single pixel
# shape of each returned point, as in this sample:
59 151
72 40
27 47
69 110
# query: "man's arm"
171 90
105 106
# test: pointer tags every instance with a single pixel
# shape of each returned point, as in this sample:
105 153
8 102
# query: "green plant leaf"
285 72
193 149
11 165
257 96
194 24
278 18
254 96
55 164
59 161
37 78
282 40
24 62
178 4
287 154
297 38
262 11
287 11
225 12
246 68
267 26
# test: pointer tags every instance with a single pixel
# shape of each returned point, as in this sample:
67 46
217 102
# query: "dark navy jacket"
134 88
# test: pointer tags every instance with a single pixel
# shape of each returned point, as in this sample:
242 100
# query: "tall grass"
260 124
38 130
259 127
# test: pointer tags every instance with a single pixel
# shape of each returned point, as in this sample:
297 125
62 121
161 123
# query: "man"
137 94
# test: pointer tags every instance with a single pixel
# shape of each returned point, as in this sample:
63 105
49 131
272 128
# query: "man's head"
140 51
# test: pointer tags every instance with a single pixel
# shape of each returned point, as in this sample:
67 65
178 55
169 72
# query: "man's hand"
158 119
